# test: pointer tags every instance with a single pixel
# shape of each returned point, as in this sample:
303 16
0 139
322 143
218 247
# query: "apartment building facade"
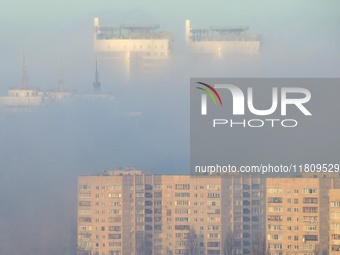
293 215
302 214
135 212
334 221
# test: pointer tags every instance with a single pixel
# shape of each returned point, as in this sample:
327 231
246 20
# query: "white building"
221 40
22 98
135 44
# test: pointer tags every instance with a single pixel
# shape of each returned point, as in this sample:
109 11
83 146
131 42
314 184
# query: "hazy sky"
295 33
42 152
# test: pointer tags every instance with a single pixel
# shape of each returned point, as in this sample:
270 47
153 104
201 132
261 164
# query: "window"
309 191
114 211
274 199
85 228
116 219
213 236
335 226
274 191
335 237
84 187
115 244
310 228
210 195
213 244
213 187
85 219
213 203
274 237
114 253
140 194
310 238
274 209
115 236
158 202
183 194
84 235
310 209
87 211
85 244
255 210
182 219
84 203
157 187
310 247
139 187
275 246
182 186
274 218
182 202
335 204
310 200
86 195
274 227
335 247
115 194
114 187
212 219
213 227
182 227
255 202
114 228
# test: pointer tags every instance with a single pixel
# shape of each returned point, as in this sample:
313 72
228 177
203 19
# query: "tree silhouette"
192 244
228 246
259 246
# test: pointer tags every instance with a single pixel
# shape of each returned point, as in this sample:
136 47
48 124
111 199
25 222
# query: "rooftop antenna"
61 81
96 84
24 80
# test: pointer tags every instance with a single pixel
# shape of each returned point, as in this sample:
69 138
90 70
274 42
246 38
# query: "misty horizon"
44 150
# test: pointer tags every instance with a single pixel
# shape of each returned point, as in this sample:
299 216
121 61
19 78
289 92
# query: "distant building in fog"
23 96
221 40
137 46
60 92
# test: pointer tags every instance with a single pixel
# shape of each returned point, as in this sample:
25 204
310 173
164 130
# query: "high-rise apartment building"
247 221
135 212
221 40
334 221
136 46
301 214
293 215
